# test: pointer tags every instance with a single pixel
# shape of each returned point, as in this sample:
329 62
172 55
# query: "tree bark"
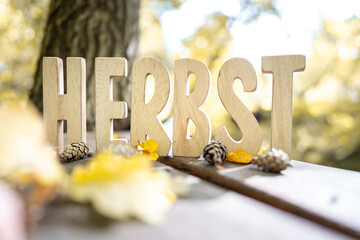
89 29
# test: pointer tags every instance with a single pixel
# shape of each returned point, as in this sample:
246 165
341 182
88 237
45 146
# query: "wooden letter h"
60 106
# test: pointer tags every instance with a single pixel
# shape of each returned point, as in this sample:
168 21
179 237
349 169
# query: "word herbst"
144 122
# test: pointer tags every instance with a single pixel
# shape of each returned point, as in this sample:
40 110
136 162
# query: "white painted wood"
330 192
188 107
282 68
105 108
59 106
211 212
144 120
249 126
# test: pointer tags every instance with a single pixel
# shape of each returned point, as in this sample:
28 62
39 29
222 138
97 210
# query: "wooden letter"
105 108
144 121
251 131
186 107
282 68
59 106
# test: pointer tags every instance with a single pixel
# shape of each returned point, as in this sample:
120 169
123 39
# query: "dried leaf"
154 156
239 156
122 187
261 151
150 146
26 160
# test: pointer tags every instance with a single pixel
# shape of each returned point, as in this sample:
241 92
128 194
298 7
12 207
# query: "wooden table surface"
306 201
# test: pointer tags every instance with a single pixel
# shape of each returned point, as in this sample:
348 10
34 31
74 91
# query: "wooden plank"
324 195
206 212
321 194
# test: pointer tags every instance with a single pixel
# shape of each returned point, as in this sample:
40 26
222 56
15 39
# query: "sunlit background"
326 114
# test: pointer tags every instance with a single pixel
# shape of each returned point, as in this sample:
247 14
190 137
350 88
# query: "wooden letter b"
186 107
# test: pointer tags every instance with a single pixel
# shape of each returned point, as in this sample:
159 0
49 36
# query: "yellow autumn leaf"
154 156
261 151
239 156
26 160
115 136
150 146
122 187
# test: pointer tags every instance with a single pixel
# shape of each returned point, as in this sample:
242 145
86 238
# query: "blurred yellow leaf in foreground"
25 158
121 187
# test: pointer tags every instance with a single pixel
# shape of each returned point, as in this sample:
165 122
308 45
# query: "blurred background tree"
326 95
102 28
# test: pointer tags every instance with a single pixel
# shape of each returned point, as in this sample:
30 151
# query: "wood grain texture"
249 126
186 107
144 119
282 68
59 106
105 108
327 196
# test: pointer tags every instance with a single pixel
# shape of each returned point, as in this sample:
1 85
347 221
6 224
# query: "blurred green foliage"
326 96
22 24
327 110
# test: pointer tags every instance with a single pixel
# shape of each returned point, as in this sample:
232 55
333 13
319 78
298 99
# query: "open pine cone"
215 153
275 161
75 151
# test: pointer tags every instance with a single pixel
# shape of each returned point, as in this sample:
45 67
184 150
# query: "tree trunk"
89 29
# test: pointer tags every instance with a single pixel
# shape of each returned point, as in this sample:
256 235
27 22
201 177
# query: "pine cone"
273 161
215 153
75 151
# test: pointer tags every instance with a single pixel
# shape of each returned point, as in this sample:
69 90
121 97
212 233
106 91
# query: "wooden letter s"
251 131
